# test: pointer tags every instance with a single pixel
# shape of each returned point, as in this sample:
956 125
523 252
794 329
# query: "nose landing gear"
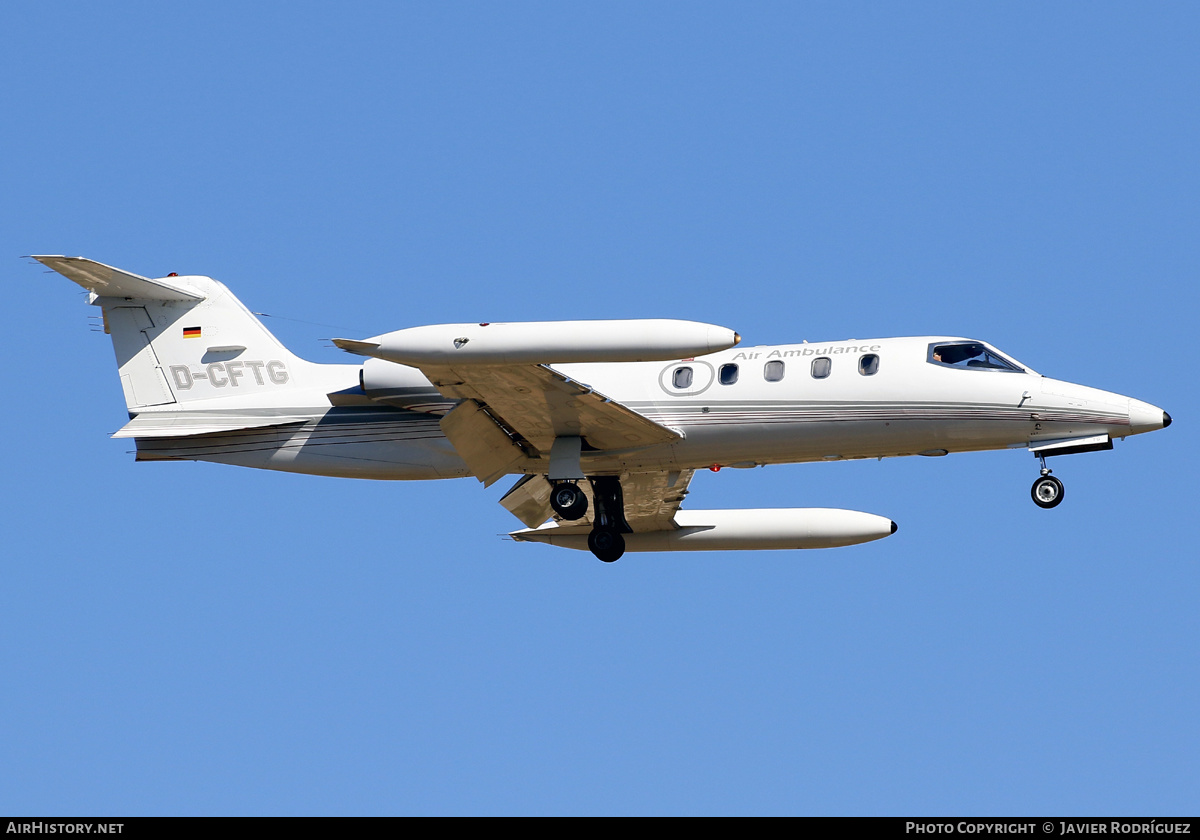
1047 491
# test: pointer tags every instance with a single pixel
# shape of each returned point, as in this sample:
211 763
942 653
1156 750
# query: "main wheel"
606 545
568 501
1047 492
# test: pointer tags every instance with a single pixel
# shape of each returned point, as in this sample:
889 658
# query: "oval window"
821 367
729 374
773 371
868 365
682 378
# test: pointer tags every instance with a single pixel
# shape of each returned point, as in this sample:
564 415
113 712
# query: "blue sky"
199 639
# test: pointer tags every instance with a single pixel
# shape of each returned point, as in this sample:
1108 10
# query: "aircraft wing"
651 501
539 404
514 407
652 498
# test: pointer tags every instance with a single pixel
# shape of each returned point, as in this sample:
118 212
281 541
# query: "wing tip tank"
737 530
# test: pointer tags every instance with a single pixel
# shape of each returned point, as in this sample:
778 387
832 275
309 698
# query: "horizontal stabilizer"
106 281
171 424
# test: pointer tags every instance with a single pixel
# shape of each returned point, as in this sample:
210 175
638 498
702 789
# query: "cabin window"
868 365
821 367
729 374
682 378
773 371
969 355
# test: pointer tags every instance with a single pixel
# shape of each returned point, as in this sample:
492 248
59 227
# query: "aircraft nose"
1144 417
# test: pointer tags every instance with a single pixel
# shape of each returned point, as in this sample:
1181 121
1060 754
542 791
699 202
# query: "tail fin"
186 339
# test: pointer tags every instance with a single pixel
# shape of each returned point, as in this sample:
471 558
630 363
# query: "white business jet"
605 421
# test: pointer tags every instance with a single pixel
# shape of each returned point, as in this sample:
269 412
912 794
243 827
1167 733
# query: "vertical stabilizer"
186 340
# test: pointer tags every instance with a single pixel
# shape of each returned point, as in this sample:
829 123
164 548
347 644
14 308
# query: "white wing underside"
651 501
539 404
511 409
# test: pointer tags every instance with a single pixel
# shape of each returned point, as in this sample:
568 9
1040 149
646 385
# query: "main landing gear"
605 540
1047 491
606 544
568 501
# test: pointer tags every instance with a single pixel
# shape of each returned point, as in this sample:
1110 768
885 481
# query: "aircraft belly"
711 441
803 439
377 445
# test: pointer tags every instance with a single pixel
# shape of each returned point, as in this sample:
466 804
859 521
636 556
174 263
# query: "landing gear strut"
605 540
1047 491
568 501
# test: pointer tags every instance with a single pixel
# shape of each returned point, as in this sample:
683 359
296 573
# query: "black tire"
1047 492
606 545
568 501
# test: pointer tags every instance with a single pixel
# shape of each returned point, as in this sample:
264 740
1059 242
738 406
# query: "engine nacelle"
546 342
737 530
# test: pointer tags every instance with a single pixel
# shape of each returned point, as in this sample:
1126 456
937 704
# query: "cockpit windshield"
970 355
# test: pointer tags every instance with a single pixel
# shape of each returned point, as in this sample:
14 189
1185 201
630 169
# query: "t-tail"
192 359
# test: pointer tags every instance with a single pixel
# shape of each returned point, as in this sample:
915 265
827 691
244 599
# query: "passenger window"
682 378
868 365
773 371
969 355
821 367
729 374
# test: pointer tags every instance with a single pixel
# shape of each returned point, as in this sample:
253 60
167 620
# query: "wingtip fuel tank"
737 530
546 342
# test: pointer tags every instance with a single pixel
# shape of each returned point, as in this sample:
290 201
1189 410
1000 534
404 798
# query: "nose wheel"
1047 491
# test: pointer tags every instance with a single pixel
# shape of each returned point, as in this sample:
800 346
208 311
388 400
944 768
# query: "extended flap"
485 447
529 500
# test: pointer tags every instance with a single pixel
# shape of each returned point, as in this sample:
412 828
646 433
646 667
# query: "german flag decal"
191 332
